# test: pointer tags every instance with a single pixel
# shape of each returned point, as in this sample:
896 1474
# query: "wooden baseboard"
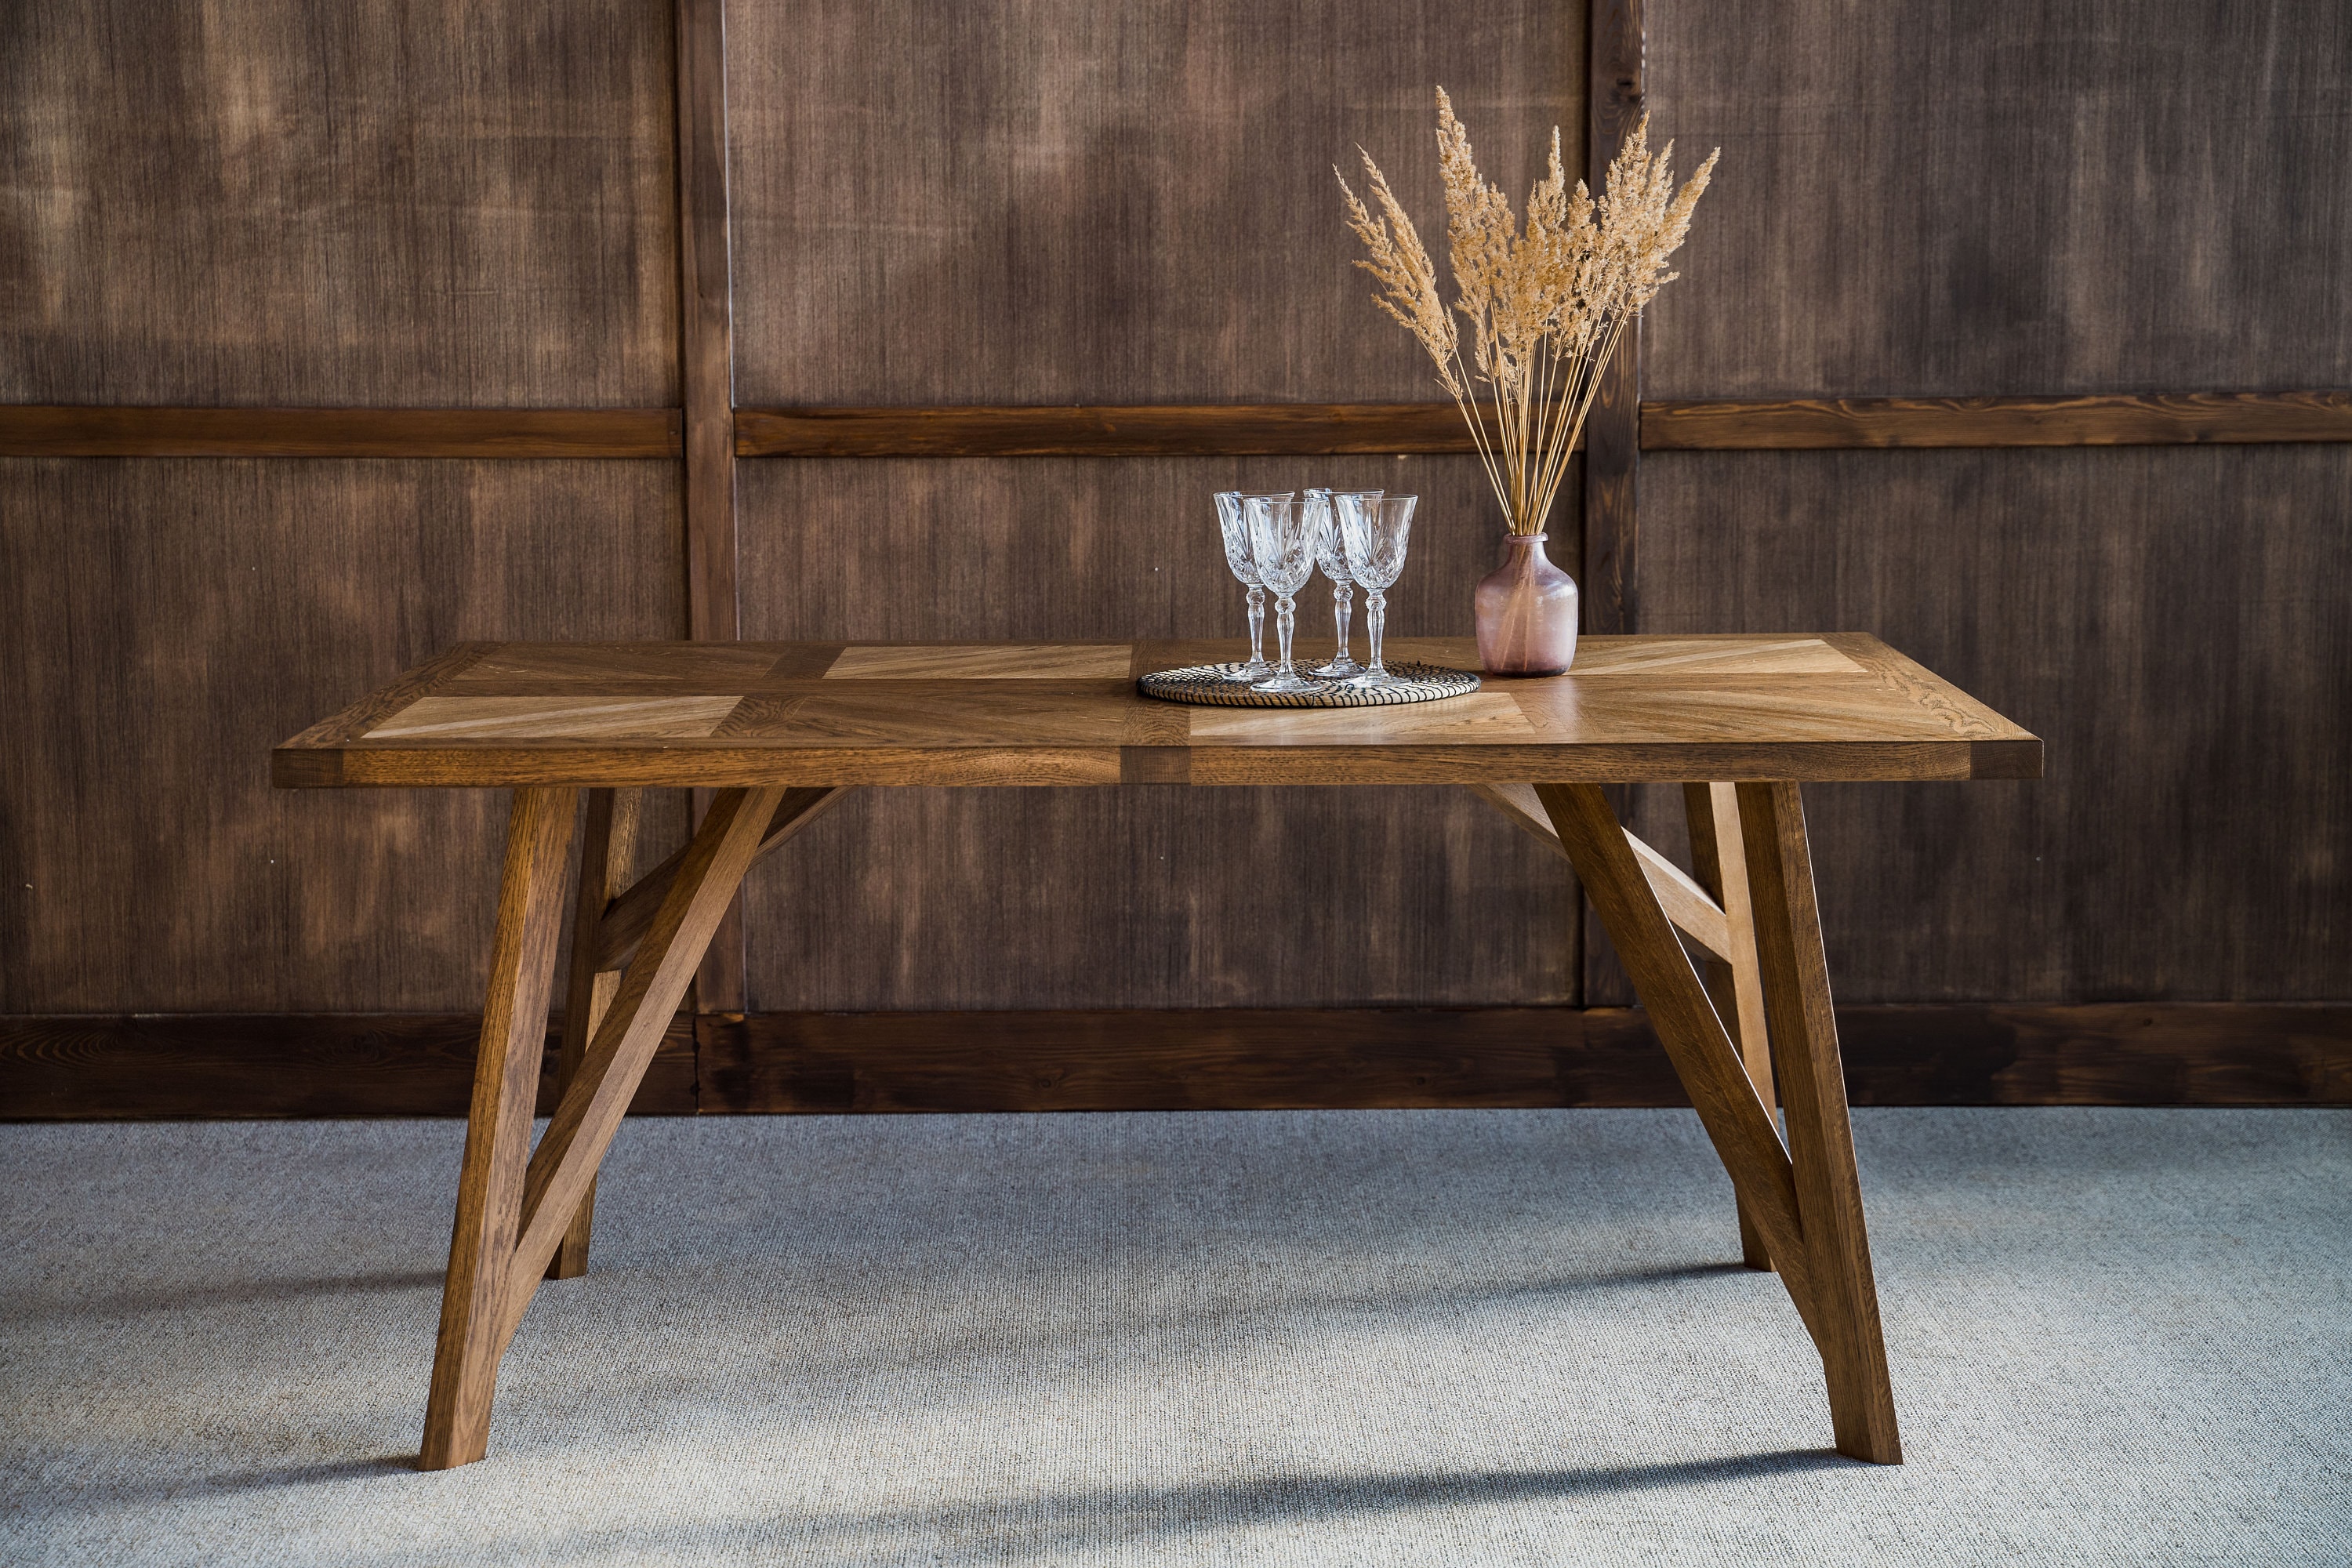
2171 1053
144 1066
1220 1060
127 1067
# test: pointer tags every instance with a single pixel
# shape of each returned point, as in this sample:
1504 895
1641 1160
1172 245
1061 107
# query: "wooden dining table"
1726 954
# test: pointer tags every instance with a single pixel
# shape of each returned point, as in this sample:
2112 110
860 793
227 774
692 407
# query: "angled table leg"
607 841
497 1128
1733 980
1816 1256
1821 1133
518 1220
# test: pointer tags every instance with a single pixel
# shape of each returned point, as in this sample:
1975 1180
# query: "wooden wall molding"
2157 420
1323 429
48 430
83 1068
1148 430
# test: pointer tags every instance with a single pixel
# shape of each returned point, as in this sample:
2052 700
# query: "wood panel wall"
2077 197
436 252
269 202
1059 202
2086 197
379 202
165 623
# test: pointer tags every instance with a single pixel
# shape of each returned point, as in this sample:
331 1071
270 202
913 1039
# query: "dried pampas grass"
1546 303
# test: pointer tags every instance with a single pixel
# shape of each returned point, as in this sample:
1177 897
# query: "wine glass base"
1248 674
1287 683
1338 669
1368 681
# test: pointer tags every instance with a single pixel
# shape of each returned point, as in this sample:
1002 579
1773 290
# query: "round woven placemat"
1210 685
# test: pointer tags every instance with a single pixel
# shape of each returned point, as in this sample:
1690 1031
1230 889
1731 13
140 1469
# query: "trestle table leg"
1803 1198
1821 1133
497 1128
514 1212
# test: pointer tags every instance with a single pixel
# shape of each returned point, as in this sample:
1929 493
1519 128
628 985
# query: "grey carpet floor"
1434 1337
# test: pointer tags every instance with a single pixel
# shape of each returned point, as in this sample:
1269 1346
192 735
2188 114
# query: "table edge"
325 766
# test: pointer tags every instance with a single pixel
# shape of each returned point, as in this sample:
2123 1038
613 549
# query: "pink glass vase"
1527 611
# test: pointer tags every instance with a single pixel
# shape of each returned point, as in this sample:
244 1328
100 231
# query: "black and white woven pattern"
1212 685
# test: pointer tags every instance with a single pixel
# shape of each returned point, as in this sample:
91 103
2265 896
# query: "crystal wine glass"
1332 557
1373 529
1282 543
1237 559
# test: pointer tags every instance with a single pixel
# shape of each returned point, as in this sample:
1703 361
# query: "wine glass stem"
1257 625
1285 620
1343 600
1376 621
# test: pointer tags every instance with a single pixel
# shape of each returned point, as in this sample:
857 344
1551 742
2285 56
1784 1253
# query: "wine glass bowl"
1234 527
1331 557
1374 529
1283 536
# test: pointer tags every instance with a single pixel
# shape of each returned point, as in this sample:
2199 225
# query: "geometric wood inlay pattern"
520 718
1487 715
983 661
1700 656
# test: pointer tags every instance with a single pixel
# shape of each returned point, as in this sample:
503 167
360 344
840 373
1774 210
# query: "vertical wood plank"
706 347
1613 429
497 1130
1612 449
607 843
707 378
1821 1130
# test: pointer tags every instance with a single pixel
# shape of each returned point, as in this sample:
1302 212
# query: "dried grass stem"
1545 304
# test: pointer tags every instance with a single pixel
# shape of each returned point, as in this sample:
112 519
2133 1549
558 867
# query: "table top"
1840 706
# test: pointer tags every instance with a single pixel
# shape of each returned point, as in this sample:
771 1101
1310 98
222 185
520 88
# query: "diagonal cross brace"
1687 1025
1694 910
626 917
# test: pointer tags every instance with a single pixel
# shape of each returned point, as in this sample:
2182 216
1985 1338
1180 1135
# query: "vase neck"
1527 557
